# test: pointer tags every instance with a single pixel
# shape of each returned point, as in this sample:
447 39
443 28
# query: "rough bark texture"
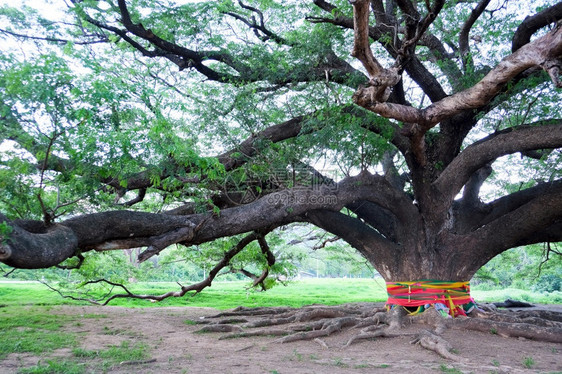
315 322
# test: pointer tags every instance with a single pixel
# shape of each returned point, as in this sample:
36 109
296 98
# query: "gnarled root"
327 328
513 329
316 322
433 318
435 343
367 334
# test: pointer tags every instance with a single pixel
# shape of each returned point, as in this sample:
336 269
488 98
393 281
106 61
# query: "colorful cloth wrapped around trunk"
454 296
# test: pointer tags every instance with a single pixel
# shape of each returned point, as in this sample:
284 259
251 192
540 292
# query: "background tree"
141 124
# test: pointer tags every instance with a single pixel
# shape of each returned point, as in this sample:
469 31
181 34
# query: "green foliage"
525 267
5 231
548 283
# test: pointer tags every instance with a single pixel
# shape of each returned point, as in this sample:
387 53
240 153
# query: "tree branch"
197 287
182 57
267 34
471 191
141 181
419 27
464 47
360 236
515 227
388 25
126 229
103 39
27 250
532 24
477 155
270 257
544 52
380 79
502 206
550 234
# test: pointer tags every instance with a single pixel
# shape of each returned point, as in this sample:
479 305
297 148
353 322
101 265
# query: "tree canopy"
426 134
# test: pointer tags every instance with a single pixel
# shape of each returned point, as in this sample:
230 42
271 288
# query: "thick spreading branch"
35 250
380 79
544 52
510 230
479 154
505 204
126 229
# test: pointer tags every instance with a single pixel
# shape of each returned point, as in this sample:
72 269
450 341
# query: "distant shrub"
556 297
548 283
483 286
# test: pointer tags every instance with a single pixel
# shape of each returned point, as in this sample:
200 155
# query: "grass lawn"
221 295
225 295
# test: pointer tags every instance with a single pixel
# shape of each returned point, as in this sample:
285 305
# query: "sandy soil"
175 348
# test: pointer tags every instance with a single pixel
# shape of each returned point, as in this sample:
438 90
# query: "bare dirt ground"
175 348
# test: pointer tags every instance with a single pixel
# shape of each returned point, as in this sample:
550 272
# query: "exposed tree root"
327 328
316 322
512 329
220 328
366 334
322 343
432 317
538 318
249 334
435 343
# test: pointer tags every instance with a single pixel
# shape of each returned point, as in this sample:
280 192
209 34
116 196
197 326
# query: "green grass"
225 295
221 295
528 362
32 330
116 353
55 367
91 360
517 294
29 293
451 370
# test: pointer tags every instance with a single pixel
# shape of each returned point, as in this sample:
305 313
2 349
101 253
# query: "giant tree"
146 124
